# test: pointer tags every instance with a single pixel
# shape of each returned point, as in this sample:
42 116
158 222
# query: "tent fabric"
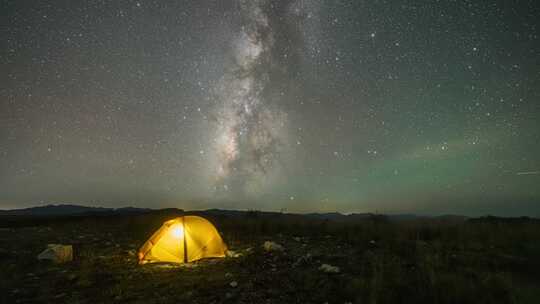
183 239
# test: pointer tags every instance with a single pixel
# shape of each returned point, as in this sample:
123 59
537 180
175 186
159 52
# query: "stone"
272 246
326 268
57 253
233 254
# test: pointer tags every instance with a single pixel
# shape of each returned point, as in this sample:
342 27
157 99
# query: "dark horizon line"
432 215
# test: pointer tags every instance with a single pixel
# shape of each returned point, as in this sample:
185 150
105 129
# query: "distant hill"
335 216
77 210
68 209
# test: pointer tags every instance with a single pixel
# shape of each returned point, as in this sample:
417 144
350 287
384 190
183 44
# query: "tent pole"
184 234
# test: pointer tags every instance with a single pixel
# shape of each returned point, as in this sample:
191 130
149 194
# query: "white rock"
57 253
271 246
233 254
329 268
233 284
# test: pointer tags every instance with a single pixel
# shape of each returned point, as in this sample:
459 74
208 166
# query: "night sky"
426 107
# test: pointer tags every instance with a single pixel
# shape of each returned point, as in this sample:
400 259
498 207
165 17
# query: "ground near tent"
367 261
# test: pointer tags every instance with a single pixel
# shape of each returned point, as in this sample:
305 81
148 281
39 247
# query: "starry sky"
426 107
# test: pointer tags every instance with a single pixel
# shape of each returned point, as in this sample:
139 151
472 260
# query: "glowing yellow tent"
181 240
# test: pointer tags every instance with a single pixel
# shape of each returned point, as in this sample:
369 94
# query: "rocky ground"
317 263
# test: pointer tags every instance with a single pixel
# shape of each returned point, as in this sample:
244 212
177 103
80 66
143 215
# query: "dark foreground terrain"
440 260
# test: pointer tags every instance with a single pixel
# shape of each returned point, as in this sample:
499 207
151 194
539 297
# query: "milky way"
249 132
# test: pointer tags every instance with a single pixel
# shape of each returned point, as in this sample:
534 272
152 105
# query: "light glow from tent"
177 231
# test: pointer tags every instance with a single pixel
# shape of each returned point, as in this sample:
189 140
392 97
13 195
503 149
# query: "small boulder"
57 253
233 254
271 246
326 268
233 284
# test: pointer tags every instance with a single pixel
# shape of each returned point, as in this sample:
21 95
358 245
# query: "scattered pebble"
233 254
329 268
61 295
272 246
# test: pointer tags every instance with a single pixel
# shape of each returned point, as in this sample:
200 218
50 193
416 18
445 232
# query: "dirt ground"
378 261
